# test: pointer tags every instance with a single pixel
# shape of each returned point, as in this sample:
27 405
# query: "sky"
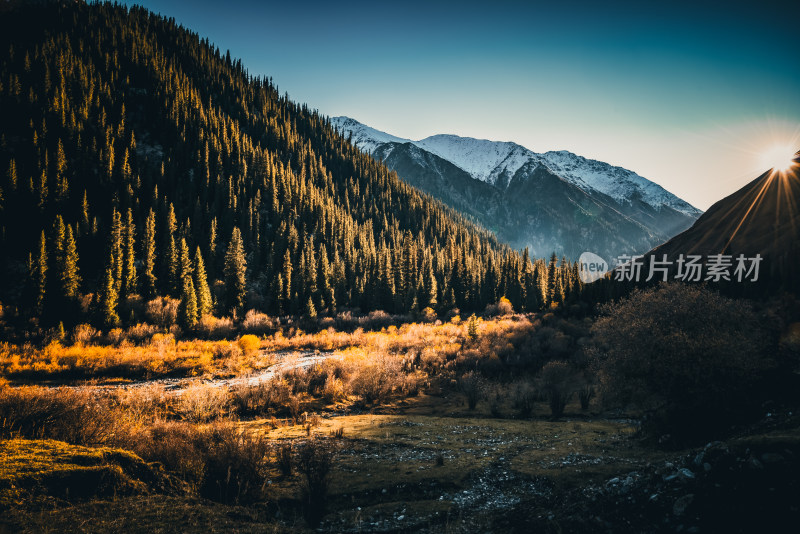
690 95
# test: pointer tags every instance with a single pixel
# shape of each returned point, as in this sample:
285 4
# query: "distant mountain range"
550 202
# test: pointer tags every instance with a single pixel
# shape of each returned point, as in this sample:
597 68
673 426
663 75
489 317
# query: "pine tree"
184 261
38 273
187 311
235 271
117 250
204 302
109 297
12 174
130 280
472 327
70 278
552 279
311 311
286 277
149 255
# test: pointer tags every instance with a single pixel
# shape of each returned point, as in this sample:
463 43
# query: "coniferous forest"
140 160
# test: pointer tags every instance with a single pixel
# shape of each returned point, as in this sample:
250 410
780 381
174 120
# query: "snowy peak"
618 183
483 159
364 137
495 162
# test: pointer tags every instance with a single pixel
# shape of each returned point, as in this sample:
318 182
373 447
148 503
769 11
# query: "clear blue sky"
685 93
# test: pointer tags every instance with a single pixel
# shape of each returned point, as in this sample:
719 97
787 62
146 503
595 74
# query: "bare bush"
428 315
258 323
222 462
235 465
285 458
141 333
249 345
85 334
162 311
200 403
376 380
73 416
524 399
211 327
314 461
501 307
585 395
260 399
473 387
557 382
375 320
115 336
687 355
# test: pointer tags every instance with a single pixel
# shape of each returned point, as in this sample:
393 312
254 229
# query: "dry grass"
432 348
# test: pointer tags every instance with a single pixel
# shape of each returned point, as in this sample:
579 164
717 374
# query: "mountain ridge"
623 213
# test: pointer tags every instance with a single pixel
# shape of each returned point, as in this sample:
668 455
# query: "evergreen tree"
149 255
117 250
311 311
187 311
235 271
38 273
204 302
184 261
70 278
130 280
109 298
286 279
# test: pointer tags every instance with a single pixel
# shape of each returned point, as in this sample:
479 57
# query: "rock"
698 460
680 505
384 491
707 467
613 481
685 473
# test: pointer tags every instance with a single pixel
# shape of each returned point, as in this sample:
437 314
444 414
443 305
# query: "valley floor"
428 464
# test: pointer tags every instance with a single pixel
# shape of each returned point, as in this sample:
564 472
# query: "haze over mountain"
553 201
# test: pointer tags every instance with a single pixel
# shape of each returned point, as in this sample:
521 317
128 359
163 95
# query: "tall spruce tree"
149 255
130 280
187 311
235 272
70 277
109 298
204 302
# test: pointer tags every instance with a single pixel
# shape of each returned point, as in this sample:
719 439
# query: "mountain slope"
138 161
630 214
762 218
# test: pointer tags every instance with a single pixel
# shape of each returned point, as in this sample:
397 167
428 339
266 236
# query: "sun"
779 158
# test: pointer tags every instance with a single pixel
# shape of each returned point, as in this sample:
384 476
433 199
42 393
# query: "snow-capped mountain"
616 182
495 161
553 201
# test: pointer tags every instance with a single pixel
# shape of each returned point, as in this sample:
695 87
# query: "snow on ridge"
616 182
488 160
364 137
481 158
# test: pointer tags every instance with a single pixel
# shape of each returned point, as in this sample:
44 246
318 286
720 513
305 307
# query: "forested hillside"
140 161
